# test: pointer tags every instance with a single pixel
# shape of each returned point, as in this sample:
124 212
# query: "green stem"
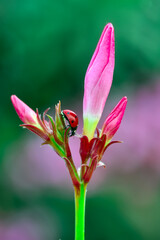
80 198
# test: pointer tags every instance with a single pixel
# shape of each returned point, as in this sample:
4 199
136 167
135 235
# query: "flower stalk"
80 200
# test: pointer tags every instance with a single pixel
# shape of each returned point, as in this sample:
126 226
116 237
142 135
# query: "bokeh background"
45 47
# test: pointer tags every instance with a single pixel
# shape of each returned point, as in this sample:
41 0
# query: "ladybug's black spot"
72 121
67 112
75 116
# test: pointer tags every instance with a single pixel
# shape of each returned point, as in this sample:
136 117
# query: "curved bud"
98 80
25 113
113 121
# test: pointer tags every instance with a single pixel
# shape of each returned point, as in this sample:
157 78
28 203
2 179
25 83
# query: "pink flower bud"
98 80
113 121
25 113
31 120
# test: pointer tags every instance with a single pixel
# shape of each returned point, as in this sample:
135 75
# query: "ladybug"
72 119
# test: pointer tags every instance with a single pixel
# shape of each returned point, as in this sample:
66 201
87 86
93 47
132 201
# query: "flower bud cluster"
98 81
52 132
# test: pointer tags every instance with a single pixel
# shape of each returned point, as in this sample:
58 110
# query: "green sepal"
59 121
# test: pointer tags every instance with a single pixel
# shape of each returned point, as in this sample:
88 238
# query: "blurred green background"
45 47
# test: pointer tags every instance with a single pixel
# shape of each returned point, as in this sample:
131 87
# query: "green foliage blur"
45 48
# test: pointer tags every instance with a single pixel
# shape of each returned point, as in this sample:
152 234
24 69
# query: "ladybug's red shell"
71 117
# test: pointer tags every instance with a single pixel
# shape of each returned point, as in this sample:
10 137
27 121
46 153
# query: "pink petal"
98 80
113 121
25 113
99 74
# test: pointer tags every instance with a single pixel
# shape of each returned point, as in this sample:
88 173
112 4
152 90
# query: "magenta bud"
98 80
113 121
25 113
